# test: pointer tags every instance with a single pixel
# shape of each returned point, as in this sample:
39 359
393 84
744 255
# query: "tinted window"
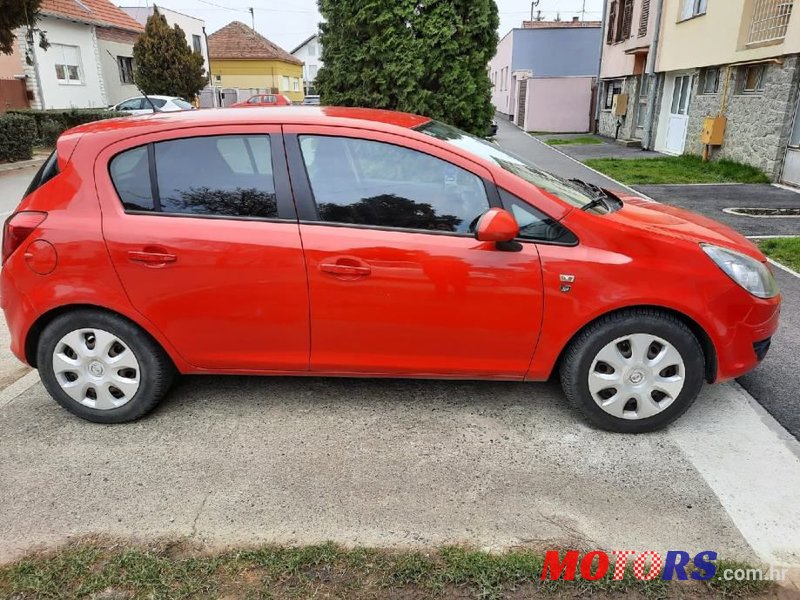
130 172
182 104
150 102
534 224
132 104
45 173
373 183
217 175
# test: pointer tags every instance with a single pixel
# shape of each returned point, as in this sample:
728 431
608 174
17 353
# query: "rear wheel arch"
709 350
35 332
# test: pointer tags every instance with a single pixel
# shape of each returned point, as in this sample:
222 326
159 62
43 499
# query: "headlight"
752 275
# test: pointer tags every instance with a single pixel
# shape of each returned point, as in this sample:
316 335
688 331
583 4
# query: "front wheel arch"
709 351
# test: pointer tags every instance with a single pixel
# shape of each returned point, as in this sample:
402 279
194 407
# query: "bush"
52 123
17 134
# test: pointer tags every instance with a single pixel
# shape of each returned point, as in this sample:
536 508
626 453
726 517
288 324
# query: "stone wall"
608 122
758 124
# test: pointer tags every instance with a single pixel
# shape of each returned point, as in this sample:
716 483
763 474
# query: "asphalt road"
13 185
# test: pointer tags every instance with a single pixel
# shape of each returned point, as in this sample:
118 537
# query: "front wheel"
634 371
102 367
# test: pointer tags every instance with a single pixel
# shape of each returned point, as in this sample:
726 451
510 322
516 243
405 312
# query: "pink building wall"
11 65
559 104
618 58
503 97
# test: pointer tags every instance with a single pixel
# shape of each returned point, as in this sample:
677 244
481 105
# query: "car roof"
369 118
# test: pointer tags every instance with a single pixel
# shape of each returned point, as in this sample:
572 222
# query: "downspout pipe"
648 139
598 87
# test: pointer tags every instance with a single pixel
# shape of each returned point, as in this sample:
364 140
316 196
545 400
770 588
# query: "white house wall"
89 93
116 91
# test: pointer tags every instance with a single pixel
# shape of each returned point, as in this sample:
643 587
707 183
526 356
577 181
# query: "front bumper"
748 339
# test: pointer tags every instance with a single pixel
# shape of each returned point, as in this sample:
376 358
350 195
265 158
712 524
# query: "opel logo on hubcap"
636 377
96 369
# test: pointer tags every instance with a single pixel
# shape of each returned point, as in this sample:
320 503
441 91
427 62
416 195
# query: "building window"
284 84
709 81
68 64
770 20
312 72
125 66
644 93
612 20
693 8
751 79
626 21
217 77
312 50
620 19
196 45
613 88
645 18
296 84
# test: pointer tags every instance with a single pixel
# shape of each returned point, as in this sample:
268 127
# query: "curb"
10 393
22 164
575 160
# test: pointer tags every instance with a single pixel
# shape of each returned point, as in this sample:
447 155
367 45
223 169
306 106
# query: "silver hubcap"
636 376
96 368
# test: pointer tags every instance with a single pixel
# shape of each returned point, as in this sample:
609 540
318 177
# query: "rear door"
203 234
398 284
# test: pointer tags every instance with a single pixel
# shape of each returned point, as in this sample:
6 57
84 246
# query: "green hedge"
17 136
52 123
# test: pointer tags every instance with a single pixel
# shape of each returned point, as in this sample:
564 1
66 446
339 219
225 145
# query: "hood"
681 224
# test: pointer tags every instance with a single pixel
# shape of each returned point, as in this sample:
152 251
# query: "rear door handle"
345 267
152 259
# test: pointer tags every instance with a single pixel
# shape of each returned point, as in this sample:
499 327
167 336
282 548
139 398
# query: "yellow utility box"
620 105
714 131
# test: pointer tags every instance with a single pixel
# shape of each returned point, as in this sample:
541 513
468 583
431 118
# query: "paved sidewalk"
608 148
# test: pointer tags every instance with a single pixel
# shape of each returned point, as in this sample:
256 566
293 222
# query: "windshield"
570 192
182 104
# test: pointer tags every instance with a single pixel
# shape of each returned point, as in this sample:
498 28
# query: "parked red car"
263 100
352 242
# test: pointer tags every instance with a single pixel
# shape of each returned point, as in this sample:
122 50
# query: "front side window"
373 183
132 104
68 64
534 225
226 176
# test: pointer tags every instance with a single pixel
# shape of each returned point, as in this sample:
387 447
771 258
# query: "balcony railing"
770 20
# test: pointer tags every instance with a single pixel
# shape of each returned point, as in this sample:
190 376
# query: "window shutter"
645 18
627 19
612 21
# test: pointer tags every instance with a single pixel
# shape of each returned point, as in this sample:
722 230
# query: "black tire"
156 369
580 354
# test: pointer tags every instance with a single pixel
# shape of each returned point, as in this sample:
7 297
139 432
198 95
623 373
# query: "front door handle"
151 259
344 267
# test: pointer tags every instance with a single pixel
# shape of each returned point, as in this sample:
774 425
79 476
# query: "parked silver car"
141 105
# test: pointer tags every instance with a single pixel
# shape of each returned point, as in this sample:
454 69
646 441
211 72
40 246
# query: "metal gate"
522 102
13 94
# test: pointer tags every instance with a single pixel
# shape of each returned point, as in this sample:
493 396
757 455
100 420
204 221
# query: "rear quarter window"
130 173
46 172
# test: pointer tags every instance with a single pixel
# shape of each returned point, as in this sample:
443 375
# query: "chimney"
575 19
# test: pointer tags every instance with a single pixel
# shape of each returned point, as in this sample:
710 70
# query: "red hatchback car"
263 100
352 242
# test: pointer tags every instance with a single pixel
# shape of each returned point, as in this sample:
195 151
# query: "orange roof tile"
237 41
95 12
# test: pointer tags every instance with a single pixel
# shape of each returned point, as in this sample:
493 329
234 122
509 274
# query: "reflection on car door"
398 284
209 252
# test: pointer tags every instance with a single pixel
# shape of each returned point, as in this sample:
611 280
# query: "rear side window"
46 172
226 176
373 183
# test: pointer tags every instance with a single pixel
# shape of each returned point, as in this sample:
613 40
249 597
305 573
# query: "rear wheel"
634 371
101 367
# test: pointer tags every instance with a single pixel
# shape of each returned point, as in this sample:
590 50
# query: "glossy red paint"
261 100
306 298
497 225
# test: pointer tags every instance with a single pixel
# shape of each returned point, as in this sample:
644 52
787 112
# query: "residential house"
248 63
77 70
543 74
13 92
310 52
739 60
629 33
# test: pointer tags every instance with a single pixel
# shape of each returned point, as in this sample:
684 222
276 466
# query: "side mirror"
496 225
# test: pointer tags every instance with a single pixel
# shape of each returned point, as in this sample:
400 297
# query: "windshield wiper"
599 196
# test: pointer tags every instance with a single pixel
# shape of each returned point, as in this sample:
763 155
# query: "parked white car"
139 105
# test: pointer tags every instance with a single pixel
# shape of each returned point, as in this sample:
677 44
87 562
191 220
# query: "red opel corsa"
352 242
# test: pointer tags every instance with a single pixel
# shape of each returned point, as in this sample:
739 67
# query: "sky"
289 22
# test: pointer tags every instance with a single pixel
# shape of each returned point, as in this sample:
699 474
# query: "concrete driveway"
397 463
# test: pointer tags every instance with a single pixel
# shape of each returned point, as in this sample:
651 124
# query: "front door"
209 250
398 284
679 115
791 169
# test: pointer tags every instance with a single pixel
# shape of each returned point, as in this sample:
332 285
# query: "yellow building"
243 59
